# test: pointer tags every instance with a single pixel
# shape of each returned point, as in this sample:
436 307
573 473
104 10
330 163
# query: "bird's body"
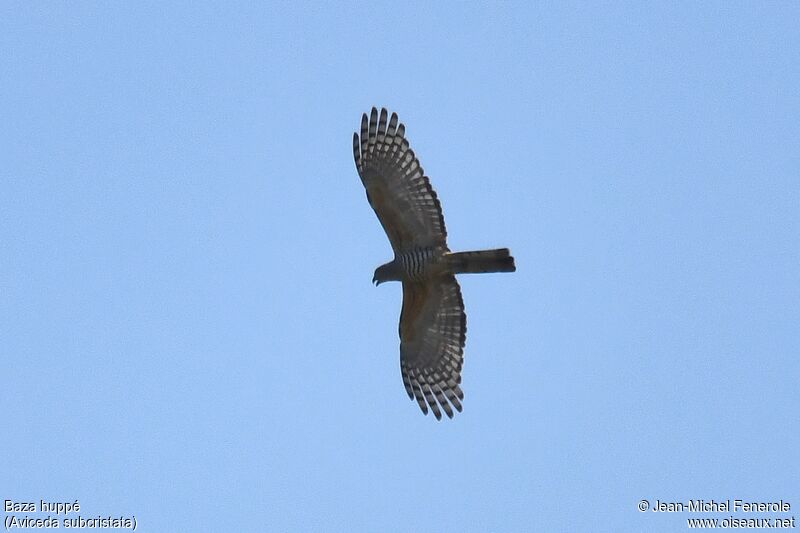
432 323
422 264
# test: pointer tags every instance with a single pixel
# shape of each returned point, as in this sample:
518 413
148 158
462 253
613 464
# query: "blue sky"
188 329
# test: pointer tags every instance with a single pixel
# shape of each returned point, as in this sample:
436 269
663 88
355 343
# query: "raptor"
433 324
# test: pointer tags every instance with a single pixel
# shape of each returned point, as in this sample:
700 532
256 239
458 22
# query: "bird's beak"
375 281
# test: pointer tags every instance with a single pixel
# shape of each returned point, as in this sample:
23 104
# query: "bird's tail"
499 260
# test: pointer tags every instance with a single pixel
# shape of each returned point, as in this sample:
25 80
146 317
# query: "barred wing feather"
433 330
397 188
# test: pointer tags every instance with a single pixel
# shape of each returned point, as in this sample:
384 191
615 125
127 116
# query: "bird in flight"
433 325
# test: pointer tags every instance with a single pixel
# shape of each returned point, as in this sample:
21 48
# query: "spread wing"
397 188
433 330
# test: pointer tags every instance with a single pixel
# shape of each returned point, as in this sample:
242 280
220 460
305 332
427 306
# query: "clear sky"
187 325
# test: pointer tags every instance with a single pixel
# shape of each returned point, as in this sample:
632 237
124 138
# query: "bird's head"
387 272
378 278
